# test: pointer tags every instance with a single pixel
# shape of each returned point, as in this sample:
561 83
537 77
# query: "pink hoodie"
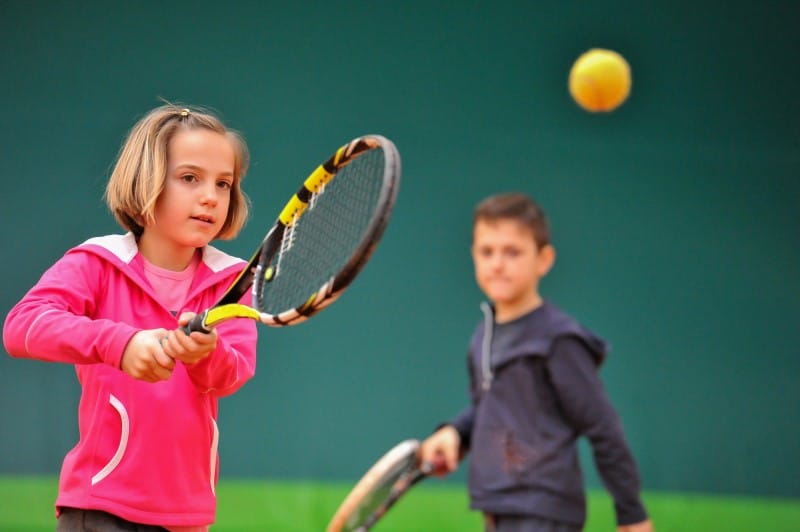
147 452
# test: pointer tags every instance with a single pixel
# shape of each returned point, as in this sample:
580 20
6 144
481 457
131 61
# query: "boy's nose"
496 262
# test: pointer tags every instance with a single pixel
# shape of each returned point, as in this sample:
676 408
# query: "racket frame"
259 268
405 456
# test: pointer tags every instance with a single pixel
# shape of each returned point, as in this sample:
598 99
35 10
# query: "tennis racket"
321 240
385 482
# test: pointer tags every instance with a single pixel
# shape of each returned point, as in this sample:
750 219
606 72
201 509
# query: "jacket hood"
539 329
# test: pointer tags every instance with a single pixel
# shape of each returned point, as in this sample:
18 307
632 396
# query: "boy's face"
508 264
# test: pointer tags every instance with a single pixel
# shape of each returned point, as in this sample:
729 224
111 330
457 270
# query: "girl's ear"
545 260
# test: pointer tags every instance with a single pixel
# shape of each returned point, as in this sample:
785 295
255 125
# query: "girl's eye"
225 185
189 178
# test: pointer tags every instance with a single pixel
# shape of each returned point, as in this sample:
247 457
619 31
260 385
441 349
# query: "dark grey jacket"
535 390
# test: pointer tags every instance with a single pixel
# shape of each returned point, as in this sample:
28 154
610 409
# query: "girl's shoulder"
218 261
121 247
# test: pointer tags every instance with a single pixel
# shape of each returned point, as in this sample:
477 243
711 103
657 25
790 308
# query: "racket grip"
198 323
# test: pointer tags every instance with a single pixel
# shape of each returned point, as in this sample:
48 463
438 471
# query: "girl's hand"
189 349
144 357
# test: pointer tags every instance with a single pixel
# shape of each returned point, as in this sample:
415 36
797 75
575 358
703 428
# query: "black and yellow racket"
322 238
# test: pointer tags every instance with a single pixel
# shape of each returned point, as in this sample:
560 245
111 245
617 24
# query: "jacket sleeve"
53 320
463 423
465 419
584 402
233 362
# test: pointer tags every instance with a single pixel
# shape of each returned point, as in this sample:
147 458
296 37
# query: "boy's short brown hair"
139 175
515 206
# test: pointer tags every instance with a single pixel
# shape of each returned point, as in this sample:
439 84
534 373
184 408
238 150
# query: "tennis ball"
600 80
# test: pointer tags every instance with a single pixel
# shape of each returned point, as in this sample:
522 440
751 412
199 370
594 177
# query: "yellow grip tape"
231 310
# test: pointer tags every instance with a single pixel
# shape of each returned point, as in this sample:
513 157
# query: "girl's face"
193 206
508 265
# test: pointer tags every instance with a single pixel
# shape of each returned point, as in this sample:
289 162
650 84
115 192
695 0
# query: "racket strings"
289 237
313 201
329 233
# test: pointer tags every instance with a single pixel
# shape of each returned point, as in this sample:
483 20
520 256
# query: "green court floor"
26 506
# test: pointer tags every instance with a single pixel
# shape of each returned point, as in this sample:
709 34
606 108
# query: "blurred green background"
674 216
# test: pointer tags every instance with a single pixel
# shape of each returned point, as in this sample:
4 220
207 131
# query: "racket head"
380 487
327 232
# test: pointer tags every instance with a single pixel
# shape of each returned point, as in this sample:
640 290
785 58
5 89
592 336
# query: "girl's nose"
209 195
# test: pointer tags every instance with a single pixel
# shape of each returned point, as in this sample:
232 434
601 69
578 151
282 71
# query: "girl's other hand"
144 357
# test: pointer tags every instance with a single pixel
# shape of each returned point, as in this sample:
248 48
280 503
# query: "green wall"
674 217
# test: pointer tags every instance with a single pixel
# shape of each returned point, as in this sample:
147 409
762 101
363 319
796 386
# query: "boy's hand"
441 450
644 526
144 357
189 349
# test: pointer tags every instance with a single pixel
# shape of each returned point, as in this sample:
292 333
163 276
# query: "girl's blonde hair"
141 170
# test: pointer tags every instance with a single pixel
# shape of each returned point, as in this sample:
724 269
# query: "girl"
147 453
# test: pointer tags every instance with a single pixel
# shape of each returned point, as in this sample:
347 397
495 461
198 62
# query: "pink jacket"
147 452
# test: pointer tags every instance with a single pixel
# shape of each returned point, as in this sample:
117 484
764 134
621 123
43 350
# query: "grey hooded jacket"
535 390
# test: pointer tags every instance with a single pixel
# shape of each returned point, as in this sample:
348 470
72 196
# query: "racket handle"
198 323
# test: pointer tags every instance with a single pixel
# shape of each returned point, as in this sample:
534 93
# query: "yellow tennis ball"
600 80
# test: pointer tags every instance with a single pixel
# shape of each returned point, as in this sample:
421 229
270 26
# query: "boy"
535 390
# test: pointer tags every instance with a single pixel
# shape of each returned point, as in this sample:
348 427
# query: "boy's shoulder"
551 319
535 333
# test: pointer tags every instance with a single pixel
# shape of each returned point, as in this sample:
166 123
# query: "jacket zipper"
486 347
